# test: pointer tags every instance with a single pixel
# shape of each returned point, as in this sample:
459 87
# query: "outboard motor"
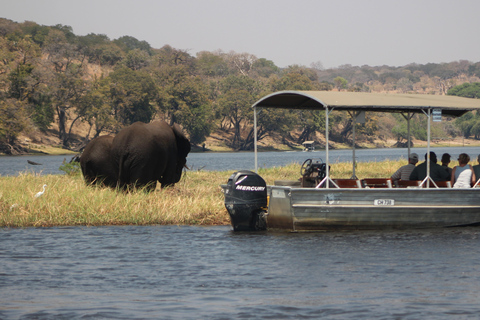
246 201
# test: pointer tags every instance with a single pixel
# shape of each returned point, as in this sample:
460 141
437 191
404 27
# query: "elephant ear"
183 145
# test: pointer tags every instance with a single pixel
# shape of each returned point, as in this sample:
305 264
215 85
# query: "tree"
132 96
95 108
13 120
264 68
467 90
128 43
238 95
63 78
211 64
469 123
340 83
99 49
241 62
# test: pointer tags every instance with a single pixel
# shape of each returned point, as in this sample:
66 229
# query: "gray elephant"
147 153
97 163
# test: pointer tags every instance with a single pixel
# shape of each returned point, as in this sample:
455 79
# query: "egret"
41 192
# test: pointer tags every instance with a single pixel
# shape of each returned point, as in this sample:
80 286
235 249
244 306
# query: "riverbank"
49 144
196 200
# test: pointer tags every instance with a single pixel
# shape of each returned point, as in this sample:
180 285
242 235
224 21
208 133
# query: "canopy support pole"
428 179
327 163
409 141
354 120
255 137
409 138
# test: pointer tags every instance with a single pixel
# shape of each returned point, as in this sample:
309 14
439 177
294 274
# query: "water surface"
233 161
171 272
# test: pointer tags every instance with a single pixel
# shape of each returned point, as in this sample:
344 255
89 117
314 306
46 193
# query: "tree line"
50 75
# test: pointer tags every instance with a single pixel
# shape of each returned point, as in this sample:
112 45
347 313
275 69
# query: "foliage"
71 168
131 95
13 120
469 123
467 90
48 74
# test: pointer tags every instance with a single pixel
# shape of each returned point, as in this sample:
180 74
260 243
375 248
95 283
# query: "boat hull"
309 209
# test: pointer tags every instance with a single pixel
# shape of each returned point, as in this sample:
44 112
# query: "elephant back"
145 153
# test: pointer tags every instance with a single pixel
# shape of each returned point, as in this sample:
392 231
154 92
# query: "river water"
228 161
189 272
185 272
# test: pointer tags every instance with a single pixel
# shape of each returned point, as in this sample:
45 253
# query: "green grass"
196 200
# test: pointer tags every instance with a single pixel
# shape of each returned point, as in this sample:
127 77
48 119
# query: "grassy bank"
196 200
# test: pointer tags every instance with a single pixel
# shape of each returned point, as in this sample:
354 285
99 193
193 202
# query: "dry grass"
196 200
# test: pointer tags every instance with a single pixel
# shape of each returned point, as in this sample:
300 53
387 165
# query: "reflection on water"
170 272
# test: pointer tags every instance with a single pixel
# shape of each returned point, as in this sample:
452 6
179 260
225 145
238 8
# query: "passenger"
437 172
462 175
476 169
403 173
445 161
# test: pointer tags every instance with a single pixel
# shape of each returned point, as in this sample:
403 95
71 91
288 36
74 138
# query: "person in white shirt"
462 175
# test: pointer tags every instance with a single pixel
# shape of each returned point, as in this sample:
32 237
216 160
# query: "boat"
318 203
308 146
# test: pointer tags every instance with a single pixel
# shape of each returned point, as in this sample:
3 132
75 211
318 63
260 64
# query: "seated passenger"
445 161
403 173
476 168
437 172
462 175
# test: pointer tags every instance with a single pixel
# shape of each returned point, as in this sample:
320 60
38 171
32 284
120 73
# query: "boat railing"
477 184
381 183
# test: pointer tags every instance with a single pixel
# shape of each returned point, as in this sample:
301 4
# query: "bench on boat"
377 183
418 184
347 183
408 183
441 184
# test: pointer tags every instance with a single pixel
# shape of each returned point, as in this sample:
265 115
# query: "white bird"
41 192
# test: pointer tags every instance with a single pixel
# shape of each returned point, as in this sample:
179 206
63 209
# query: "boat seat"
441 184
408 183
347 183
377 183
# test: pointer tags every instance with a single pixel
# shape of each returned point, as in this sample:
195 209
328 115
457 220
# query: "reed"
196 200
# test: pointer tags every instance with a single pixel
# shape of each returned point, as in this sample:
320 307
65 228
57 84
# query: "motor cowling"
246 201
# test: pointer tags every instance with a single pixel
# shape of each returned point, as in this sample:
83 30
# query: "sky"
332 33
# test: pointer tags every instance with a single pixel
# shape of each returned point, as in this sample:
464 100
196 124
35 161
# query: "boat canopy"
365 101
358 102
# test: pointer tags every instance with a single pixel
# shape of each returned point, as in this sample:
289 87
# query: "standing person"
437 172
462 175
403 173
476 169
445 161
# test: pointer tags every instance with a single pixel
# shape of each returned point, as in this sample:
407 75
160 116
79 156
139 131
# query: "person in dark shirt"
476 168
437 172
445 161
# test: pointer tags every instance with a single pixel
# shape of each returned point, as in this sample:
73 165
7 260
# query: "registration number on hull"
384 202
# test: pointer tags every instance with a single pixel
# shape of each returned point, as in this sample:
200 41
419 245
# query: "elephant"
147 153
97 163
